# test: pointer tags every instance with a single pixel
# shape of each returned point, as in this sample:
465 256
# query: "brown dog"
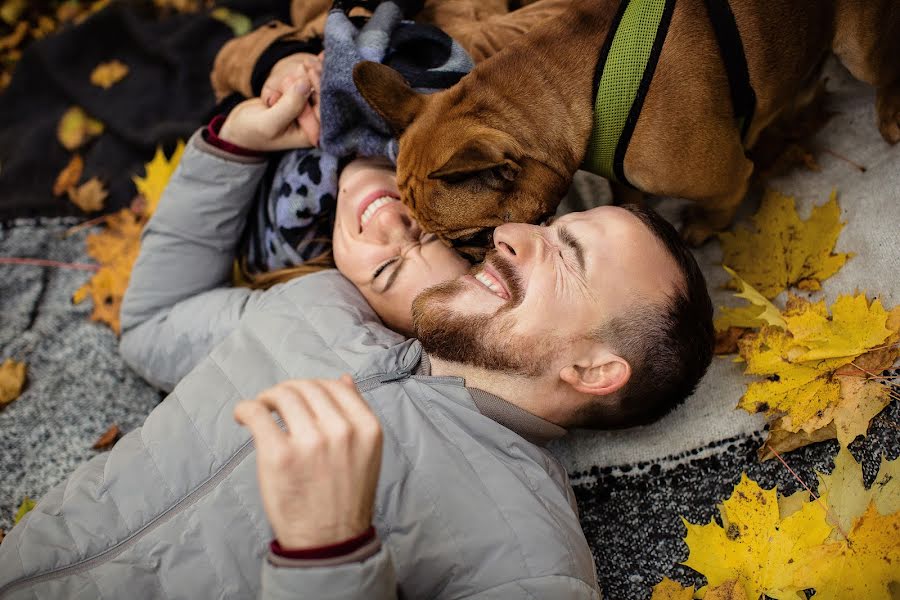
503 144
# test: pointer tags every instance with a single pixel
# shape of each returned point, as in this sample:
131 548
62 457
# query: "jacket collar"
531 427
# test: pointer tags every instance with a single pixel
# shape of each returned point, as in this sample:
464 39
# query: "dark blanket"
165 96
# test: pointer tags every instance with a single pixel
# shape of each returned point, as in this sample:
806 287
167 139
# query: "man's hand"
279 81
255 126
318 478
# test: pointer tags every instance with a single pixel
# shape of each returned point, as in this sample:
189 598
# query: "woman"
180 303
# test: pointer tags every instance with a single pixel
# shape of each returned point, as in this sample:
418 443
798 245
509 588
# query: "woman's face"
380 247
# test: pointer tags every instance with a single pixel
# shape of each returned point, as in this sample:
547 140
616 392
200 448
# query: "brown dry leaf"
68 177
727 341
108 439
76 127
781 440
15 38
2 535
107 74
12 380
730 590
89 196
5 78
115 248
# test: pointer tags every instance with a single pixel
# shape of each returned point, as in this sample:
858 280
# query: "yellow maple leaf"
24 509
855 326
109 73
811 378
755 545
758 313
668 589
785 251
12 380
862 566
76 127
157 174
848 498
115 248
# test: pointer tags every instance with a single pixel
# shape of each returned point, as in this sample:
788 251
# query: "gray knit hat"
294 217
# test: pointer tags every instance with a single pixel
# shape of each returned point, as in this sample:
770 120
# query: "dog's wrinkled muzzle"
474 245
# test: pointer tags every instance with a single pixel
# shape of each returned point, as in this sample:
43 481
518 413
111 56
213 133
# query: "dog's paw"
888 108
696 234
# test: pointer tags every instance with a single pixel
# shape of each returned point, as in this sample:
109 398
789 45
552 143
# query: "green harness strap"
624 69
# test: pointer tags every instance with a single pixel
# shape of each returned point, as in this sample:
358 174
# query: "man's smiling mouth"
491 282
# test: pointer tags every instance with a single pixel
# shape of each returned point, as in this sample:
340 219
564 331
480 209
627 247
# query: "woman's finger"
289 106
320 401
309 124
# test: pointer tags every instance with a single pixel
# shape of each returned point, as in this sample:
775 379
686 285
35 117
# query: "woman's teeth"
374 206
490 283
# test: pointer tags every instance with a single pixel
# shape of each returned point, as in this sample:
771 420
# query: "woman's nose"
399 225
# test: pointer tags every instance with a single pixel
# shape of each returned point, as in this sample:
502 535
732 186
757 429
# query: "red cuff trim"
331 551
211 136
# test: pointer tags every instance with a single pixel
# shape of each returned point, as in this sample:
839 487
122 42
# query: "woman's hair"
266 279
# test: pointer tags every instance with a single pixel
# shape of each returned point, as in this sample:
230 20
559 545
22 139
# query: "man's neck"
530 394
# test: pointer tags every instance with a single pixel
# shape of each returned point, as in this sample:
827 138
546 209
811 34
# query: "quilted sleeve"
179 304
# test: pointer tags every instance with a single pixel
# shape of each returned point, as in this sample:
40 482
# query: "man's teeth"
490 283
375 205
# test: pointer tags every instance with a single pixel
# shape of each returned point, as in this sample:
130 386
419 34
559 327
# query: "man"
601 318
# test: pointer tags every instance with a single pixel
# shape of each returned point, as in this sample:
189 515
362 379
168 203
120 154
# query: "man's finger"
292 409
321 404
258 419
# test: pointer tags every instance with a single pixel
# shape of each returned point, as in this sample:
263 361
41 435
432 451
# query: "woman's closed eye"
383 266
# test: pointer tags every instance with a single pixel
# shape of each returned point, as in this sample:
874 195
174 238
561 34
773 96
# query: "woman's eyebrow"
567 238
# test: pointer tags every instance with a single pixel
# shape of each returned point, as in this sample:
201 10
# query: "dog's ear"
388 94
476 157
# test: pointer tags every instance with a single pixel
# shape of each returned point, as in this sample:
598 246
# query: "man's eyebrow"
566 237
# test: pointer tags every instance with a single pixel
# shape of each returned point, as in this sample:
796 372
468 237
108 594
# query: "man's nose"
517 241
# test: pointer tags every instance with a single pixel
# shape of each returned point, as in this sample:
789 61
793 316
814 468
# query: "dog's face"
460 177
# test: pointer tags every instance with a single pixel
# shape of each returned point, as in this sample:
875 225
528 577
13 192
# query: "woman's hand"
318 478
282 126
279 80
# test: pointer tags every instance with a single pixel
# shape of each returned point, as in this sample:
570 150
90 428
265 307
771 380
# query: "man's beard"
485 341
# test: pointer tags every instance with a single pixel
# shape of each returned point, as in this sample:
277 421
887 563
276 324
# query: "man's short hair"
669 346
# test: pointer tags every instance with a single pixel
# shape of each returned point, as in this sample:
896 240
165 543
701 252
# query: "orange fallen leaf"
76 127
45 26
68 10
89 196
115 248
12 380
15 38
108 439
68 177
107 74
12 9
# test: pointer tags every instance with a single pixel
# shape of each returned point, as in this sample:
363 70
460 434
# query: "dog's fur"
503 144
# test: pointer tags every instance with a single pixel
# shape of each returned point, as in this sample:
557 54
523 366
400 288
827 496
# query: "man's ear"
602 374
388 94
477 155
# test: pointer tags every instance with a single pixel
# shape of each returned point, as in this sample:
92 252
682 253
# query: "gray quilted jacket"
466 505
